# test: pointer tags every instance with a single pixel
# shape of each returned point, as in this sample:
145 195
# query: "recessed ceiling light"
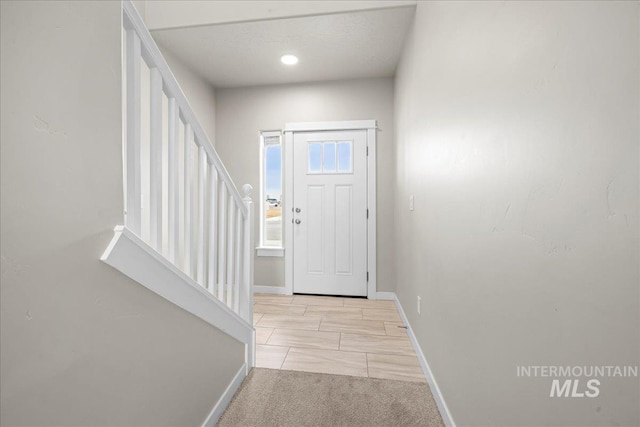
289 59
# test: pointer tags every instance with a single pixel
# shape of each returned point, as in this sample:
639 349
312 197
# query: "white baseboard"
386 296
279 290
226 397
433 385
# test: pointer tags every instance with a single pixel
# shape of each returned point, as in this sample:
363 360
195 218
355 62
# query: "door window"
330 157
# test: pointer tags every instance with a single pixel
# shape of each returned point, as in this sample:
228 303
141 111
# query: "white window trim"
261 249
270 251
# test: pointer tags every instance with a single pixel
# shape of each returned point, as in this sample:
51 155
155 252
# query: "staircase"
187 233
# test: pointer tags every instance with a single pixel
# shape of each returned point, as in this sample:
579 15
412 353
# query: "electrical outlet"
419 304
410 203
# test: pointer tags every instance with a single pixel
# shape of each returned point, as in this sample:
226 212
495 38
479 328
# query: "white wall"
81 343
243 113
517 132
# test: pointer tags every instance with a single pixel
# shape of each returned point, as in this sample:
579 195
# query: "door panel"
344 229
330 208
315 229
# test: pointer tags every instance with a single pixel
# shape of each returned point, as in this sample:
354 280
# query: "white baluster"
230 251
222 242
155 165
246 297
202 160
188 196
238 256
134 187
173 202
213 217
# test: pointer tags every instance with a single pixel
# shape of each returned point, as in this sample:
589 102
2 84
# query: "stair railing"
179 198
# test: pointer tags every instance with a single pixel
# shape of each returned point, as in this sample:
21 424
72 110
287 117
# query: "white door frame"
290 128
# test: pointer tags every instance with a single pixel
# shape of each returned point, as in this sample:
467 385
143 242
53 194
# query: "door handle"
297 210
298 221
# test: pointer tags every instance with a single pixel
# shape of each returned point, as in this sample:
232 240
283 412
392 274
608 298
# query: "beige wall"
517 133
243 113
81 344
141 7
199 93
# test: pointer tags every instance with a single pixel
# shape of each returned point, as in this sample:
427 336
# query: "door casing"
290 129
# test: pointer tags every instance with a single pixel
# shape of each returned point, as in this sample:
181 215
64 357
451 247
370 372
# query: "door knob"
298 210
298 221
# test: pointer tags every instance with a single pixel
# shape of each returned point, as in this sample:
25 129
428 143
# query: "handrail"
195 206
152 55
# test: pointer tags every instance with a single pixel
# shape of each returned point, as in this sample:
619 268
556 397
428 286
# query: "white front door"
330 213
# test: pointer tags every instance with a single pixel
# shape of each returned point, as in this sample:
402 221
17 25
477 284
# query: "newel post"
247 273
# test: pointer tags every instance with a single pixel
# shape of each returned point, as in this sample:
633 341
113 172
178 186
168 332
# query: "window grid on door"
330 157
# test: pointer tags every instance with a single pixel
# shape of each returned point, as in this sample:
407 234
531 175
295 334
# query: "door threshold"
336 296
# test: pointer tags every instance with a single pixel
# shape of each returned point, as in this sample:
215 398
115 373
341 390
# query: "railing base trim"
134 258
226 397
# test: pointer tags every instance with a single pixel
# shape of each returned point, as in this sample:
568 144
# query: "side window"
271 189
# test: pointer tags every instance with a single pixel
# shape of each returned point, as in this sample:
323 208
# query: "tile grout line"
328 349
285 358
267 340
367 360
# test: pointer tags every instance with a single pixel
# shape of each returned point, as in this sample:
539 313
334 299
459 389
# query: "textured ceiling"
330 47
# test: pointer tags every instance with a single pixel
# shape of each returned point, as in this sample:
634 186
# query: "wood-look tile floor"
333 335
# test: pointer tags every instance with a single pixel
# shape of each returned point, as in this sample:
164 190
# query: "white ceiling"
330 47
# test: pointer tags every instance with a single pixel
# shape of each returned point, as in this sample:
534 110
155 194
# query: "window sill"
270 251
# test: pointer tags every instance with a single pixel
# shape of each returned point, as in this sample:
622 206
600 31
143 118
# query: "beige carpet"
270 397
